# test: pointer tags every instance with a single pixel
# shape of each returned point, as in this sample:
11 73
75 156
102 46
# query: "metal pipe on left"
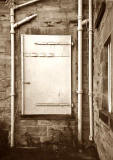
12 32
80 90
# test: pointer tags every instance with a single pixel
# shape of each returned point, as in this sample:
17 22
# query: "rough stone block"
38 131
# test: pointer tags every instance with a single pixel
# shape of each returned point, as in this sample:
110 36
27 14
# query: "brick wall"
103 134
58 17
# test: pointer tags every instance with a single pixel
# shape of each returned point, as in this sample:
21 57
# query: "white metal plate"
47 79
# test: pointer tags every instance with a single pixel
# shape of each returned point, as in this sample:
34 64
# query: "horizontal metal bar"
52 104
44 56
51 43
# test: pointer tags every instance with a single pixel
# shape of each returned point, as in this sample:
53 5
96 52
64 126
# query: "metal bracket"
72 43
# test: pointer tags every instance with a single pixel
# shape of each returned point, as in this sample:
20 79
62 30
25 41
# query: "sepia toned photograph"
56 79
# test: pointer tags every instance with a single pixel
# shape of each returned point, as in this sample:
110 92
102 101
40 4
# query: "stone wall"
103 132
58 17
4 72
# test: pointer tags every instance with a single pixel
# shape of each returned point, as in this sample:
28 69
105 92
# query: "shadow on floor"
38 154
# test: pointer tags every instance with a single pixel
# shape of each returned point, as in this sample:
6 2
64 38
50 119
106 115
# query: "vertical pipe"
12 32
12 76
80 71
90 71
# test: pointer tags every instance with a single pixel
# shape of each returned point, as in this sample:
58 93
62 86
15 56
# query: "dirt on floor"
66 153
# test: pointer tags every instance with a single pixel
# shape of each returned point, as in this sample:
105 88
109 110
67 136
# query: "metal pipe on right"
90 70
80 91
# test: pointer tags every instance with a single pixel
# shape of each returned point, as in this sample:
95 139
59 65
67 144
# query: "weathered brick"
28 123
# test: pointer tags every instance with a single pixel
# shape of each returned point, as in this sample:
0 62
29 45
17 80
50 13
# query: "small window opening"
107 77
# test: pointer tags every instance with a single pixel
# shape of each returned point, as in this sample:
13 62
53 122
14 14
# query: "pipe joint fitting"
80 91
90 30
12 32
12 12
91 138
79 17
85 22
12 95
12 21
90 93
80 28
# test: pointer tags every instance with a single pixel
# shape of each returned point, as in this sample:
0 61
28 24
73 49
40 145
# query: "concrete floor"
37 154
